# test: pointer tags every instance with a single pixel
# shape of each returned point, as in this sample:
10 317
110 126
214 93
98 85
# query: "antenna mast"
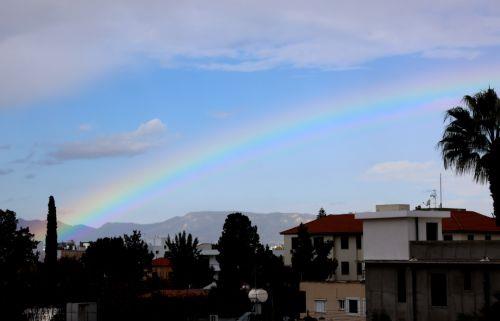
440 192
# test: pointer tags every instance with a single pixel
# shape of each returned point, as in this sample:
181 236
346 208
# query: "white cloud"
402 170
458 191
145 137
84 127
220 114
48 47
5 146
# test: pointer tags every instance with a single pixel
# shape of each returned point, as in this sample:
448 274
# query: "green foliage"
189 269
238 246
17 259
321 213
312 262
115 263
51 236
471 141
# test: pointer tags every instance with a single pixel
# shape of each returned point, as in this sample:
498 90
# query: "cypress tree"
51 236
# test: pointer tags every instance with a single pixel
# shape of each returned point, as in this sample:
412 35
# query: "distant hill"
207 226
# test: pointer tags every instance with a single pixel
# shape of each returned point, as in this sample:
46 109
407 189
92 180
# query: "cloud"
48 48
220 114
30 176
402 171
84 127
6 171
145 137
458 191
5 146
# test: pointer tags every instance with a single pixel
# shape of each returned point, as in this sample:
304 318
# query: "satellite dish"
258 295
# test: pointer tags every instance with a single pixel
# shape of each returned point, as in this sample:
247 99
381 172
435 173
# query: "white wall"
387 239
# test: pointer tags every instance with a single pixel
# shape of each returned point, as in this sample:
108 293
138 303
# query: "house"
161 268
158 246
208 251
345 232
413 273
340 300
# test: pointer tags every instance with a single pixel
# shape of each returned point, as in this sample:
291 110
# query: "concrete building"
339 301
412 274
158 246
345 232
208 251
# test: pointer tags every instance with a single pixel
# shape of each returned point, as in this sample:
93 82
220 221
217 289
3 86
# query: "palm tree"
471 141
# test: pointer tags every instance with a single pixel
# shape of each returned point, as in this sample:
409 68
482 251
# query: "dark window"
401 285
344 242
487 237
358 242
438 290
318 241
470 237
432 231
294 243
448 237
467 280
359 268
344 268
353 306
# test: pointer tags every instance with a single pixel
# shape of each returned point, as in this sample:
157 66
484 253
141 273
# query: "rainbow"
381 103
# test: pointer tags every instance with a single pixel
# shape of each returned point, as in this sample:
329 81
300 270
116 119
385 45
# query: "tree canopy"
189 268
471 141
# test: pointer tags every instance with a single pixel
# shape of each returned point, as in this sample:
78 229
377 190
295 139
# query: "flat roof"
401 214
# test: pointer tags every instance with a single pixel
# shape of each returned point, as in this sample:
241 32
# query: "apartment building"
413 273
345 232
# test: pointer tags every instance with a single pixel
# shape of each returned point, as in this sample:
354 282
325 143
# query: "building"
467 225
161 268
208 251
341 300
345 232
158 246
412 273
71 250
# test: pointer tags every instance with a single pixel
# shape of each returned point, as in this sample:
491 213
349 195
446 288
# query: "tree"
312 262
51 236
321 213
302 252
237 247
189 268
471 141
117 262
17 258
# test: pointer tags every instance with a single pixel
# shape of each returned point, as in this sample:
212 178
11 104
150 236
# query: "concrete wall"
331 293
456 250
388 238
381 290
462 236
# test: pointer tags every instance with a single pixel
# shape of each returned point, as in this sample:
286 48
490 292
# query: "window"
294 243
344 268
448 237
432 231
318 241
341 305
438 290
320 305
353 306
487 237
467 280
359 268
358 242
401 285
470 237
344 242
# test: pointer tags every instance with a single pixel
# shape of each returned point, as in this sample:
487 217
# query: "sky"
131 111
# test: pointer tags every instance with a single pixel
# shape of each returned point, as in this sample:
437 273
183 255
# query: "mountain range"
205 225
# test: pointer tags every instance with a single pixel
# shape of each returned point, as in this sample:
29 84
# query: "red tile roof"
468 221
332 224
161 262
460 221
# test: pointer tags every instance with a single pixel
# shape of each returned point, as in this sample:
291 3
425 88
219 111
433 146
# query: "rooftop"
161 262
453 221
